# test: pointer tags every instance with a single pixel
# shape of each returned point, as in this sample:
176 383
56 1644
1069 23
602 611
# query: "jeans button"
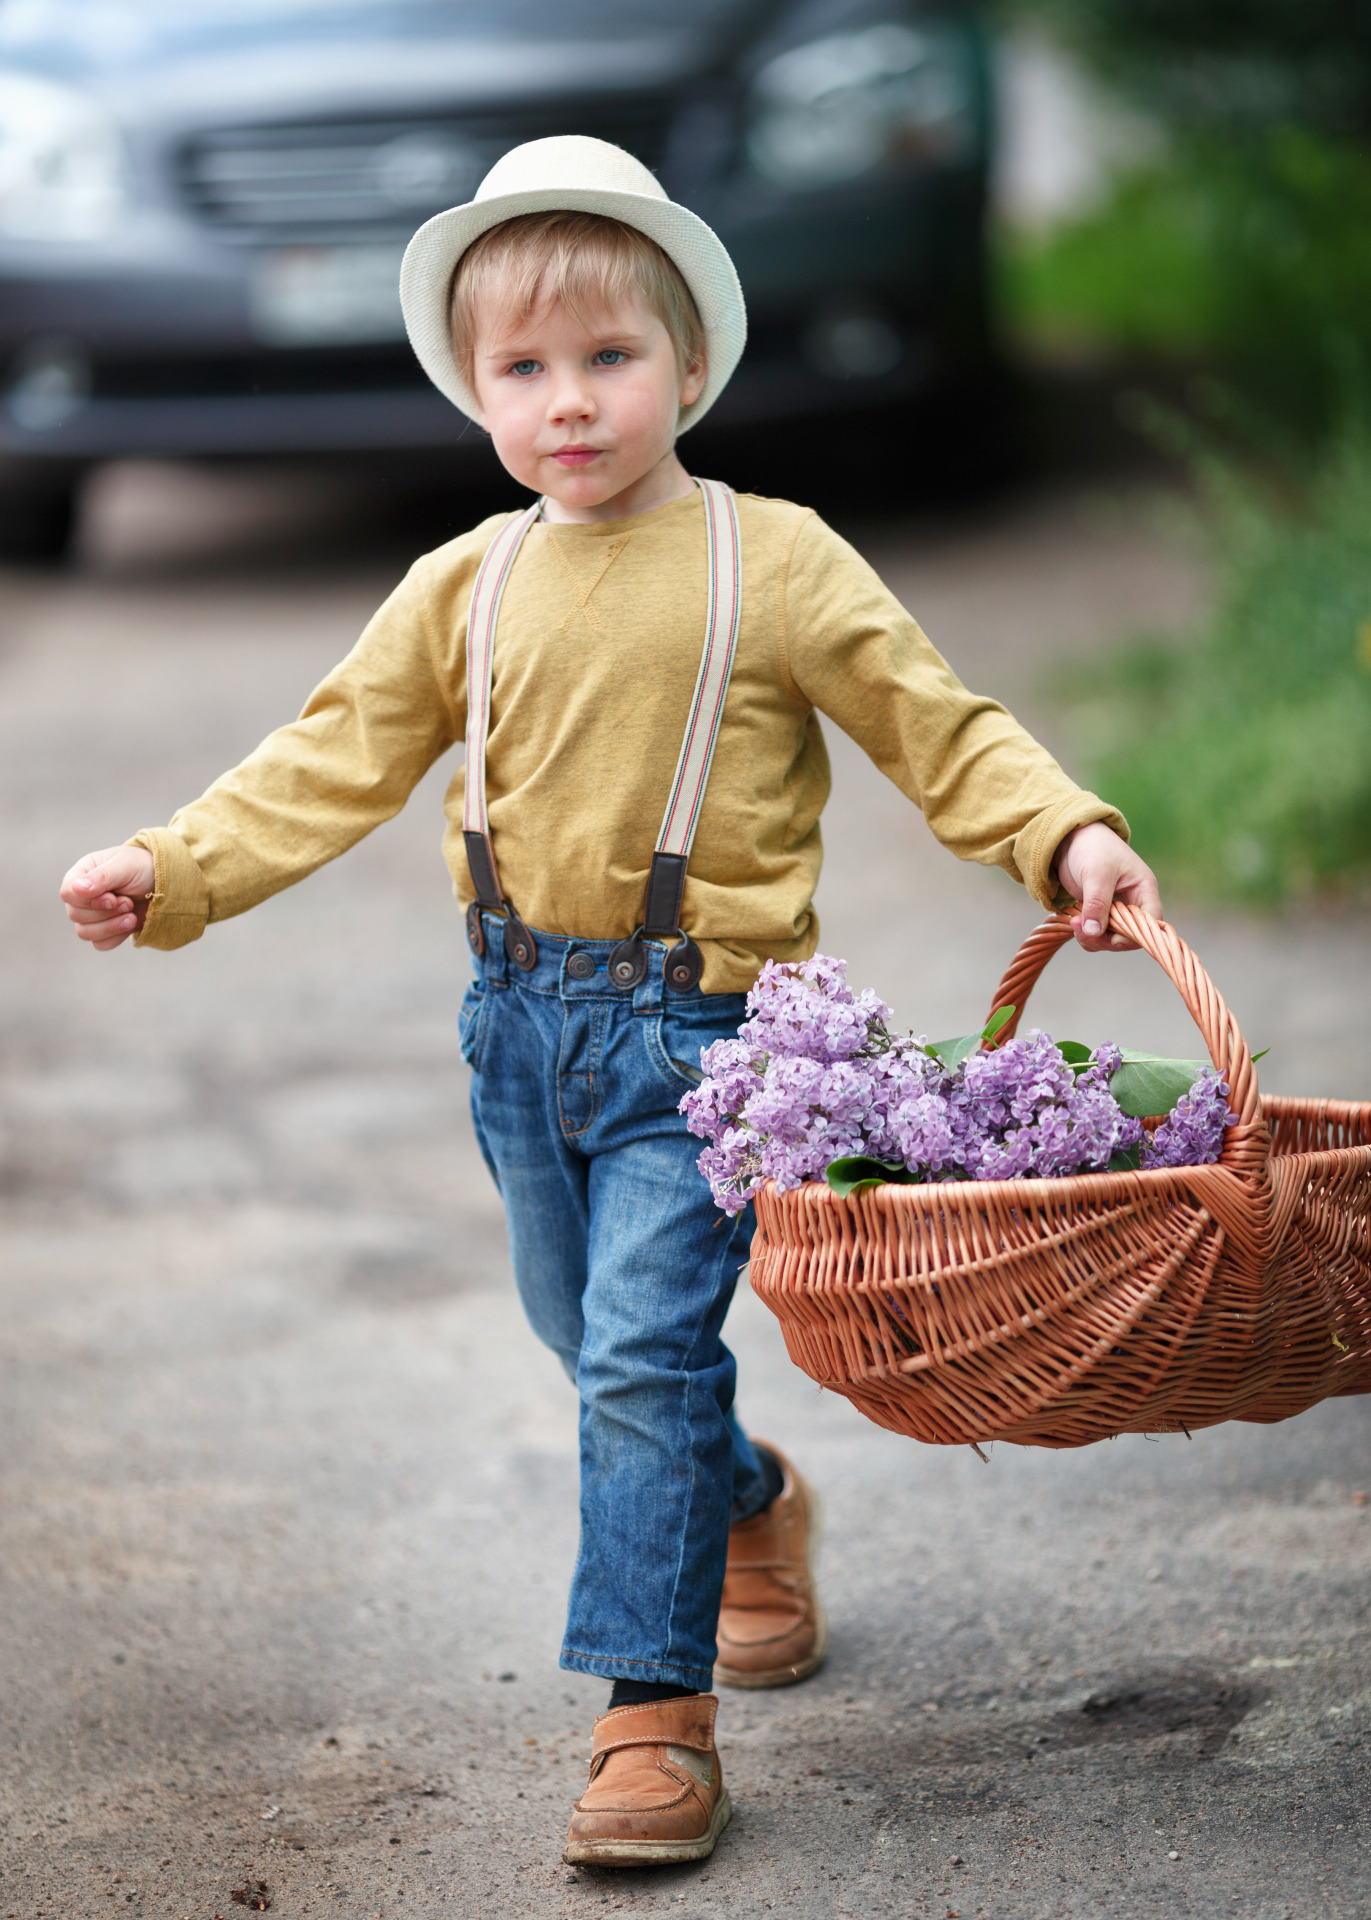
581 966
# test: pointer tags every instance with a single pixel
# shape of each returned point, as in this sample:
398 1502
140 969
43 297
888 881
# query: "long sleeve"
986 787
312 789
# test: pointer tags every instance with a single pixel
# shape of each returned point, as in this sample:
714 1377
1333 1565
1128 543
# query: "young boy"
585 321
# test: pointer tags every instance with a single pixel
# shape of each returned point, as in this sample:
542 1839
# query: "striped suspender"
666 880
486 595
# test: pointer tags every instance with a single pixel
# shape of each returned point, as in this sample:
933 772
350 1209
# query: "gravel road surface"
289 1490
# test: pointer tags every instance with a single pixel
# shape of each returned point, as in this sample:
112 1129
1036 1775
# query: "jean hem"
611 1666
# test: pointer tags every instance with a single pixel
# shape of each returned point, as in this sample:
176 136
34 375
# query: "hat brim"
703 260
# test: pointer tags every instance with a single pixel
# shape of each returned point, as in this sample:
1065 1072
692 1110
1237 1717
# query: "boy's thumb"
1095 912
118 870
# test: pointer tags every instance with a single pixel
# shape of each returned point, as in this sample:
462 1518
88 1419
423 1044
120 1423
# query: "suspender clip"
684 964
520 947
628 963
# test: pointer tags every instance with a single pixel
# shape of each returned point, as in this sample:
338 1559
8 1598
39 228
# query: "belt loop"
496 960
648 995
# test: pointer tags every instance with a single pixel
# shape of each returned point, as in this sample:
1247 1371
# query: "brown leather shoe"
656 1791
772 1630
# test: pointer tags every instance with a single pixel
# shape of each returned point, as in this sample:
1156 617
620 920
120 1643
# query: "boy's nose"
571 401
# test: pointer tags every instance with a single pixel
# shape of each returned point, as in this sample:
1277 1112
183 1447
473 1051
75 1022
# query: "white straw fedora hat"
580 175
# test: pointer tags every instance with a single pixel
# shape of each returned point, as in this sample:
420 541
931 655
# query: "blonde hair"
588 262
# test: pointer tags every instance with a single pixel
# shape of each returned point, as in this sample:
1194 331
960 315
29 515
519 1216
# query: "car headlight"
836 108
62 166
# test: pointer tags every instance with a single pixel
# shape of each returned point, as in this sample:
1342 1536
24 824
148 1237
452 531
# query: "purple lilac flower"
810 1010
1192 1133
1020 1112
816 1074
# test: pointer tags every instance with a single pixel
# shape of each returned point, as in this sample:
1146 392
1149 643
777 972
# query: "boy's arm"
988 790
367 735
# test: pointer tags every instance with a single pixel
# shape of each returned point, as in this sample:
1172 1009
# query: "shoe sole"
651 1853
788 1676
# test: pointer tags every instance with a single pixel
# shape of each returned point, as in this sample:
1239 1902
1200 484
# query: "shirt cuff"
178 909
1035 849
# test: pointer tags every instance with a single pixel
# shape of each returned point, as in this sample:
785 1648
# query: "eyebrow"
511 345
527 349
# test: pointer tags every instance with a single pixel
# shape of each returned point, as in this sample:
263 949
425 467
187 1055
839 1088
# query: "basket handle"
1205 1004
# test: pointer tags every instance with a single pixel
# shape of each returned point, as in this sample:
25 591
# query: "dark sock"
772 1472
639 1693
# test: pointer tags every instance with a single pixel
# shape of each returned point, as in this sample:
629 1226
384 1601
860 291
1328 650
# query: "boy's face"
580 410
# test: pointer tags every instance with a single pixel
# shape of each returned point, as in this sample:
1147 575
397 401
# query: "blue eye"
524 366
610 356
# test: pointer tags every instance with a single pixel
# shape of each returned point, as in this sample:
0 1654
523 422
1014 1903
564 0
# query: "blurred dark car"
203 204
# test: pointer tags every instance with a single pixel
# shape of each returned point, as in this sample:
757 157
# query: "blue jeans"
626 1269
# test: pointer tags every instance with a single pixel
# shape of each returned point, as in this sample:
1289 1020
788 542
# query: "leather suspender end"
481 864
665 889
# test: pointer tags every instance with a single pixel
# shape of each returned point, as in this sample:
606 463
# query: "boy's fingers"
1099 942
118 870
107 927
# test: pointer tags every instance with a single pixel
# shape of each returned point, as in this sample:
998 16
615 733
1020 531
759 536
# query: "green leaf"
854 1172
1074 1054
1260 1056
953 1052
1147 1084
1125 1160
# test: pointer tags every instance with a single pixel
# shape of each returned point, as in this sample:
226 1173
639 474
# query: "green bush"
1242 754
1248 254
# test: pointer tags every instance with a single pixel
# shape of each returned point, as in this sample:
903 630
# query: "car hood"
174 62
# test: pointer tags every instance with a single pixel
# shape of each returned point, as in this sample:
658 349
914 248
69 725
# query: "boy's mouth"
576 456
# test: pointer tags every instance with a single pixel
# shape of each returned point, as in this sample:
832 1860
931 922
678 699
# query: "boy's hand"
1098 868
106 895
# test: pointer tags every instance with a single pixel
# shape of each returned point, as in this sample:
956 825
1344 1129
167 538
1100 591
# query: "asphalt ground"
289 1490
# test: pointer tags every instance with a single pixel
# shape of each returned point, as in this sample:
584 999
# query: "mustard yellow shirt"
598 647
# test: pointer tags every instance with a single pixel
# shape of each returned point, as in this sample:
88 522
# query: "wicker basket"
1057 1312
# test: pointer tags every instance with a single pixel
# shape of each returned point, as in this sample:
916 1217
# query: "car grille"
378 176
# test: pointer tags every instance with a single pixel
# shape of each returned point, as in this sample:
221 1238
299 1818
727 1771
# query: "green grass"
1242 754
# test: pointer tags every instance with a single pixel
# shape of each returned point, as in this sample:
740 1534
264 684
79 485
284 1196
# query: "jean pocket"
686 1026
472 1022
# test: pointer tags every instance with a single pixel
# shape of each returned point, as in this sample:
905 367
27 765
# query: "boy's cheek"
513 443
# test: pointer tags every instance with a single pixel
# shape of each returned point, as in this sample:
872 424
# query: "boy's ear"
694 383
